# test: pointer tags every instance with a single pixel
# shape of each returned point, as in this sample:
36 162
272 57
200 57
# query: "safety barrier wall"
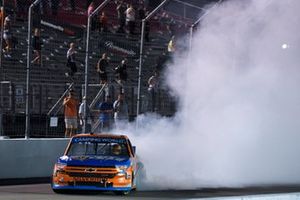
32 158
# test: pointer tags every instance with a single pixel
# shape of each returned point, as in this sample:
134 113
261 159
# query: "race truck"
103 162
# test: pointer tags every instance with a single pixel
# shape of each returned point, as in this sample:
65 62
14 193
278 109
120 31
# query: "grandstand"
48 80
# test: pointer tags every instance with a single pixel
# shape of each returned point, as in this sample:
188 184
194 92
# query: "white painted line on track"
285 196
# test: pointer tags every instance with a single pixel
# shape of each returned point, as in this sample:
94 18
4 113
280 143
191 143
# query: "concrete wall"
32 158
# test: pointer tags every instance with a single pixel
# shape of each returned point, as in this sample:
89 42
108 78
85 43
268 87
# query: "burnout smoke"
239 99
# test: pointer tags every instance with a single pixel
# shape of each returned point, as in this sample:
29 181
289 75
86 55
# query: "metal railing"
59 101
97 97
52 125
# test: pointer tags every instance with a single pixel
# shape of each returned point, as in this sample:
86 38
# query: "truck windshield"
86 148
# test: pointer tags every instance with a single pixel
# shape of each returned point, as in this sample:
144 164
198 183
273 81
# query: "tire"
126 192
122 193
58 191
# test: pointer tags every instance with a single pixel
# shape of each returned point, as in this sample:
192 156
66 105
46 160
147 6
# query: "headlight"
59 168
122 167
122 171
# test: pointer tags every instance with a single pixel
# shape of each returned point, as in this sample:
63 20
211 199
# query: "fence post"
27 127
141 53
1 39
102 5
1 121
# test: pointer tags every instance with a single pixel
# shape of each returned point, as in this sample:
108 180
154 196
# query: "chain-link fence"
58 36
43 125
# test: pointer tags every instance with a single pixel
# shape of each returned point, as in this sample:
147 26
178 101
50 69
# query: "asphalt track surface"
44 192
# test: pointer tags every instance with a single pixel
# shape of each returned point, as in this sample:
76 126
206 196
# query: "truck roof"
101 135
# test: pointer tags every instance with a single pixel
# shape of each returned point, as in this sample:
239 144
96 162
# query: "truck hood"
95 161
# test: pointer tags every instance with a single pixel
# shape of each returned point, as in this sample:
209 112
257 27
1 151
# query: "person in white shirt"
152 90
81 114
120 112
130 18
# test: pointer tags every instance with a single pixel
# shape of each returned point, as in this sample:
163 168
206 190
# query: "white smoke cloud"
239 118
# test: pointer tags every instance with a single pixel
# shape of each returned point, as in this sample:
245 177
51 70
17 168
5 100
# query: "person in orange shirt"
71 109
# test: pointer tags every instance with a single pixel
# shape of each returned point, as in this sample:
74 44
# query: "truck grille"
87 174
96 184
94 172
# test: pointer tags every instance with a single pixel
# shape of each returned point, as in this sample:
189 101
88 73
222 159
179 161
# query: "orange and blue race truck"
103 162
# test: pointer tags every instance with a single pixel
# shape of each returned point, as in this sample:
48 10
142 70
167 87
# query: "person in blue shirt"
105 114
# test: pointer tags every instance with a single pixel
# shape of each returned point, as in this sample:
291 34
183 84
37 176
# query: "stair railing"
97 97
58 102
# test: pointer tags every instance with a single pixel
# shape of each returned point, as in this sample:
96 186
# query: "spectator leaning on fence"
120 112
70 104
153 82
172 45
105 116
81 114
